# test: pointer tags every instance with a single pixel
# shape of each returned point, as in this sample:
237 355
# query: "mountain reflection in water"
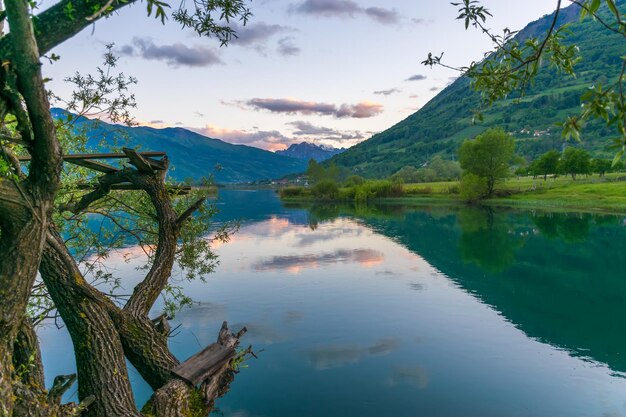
399 311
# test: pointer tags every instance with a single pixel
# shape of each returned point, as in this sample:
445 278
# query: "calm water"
398 311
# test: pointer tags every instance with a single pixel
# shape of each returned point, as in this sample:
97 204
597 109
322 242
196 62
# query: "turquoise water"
400 311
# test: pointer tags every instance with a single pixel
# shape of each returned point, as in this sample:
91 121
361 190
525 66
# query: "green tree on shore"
601 166
546 164
574 162
486 159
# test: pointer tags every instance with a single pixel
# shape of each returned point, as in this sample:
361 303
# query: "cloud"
292 106
434 88
364 257
360 110
387 92
270 140
345 8
287 48
416 77
306 128
327 8
384 16
319 133
274 140
257 33
327 234
175 55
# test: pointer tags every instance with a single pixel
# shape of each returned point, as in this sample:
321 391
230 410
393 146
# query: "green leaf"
617 158
613 7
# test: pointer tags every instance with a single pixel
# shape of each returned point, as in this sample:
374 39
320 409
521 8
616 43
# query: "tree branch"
45 169
56 25
187 213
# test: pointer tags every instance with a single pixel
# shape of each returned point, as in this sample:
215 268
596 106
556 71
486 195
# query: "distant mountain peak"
307 150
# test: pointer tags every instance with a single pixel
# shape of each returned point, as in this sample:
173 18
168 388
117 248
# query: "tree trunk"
99 355
20 252
24 205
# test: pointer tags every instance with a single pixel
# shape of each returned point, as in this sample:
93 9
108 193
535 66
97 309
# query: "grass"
603 196
585 193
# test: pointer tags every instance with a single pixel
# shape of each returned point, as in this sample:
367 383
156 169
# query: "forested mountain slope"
192 155
446 120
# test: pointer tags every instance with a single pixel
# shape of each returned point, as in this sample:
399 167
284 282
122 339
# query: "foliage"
601 166
105 94
530 115
326 190
294 192
487 157
329 172
370 190
438 169
575 161
516 62
354 180
546 164
473 187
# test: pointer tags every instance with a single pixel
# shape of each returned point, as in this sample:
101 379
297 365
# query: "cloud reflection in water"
336 356
364 257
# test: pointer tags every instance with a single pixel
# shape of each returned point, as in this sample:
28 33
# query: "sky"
330 72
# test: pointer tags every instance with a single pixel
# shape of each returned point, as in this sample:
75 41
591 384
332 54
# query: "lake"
401 311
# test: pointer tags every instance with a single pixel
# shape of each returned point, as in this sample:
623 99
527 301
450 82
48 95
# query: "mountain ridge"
306 150
445 121
192 156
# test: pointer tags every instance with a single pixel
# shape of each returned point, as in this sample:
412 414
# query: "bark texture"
24 203
98 350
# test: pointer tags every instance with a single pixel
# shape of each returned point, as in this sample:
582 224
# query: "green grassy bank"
591 193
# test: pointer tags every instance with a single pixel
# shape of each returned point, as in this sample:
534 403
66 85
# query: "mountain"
191 154
444 122
309 151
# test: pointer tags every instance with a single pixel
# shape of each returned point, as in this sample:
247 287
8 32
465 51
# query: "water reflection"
414 375
566 226
487 239
401 311
365 257
557 276
335 356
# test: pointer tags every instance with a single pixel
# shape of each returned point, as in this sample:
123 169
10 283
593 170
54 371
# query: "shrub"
454 189
293 192
423 190
473 187
353 180
326 190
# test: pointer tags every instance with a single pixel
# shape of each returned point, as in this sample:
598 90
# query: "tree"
103 334
488 157
514 64
601 166
575 161
445 170
315 172
546 164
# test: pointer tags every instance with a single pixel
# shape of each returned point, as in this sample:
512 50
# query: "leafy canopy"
488 157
